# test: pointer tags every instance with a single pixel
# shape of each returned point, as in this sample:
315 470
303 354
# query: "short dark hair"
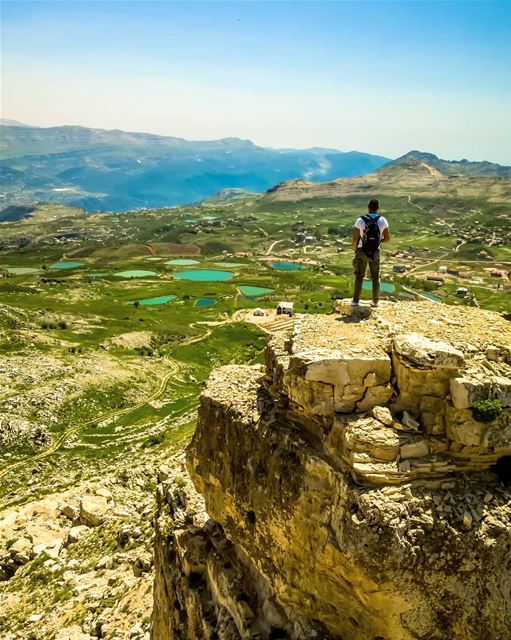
373 205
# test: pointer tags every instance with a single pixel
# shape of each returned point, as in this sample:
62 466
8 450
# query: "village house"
285 308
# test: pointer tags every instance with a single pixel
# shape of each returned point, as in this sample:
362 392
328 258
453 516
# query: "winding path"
111 414
175 367
273 244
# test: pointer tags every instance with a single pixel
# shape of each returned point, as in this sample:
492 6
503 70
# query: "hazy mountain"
117 170
12 123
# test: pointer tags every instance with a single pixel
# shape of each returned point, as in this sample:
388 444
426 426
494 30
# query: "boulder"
368 436
93 510
76 533
421 351
69 510
21 551
383 415
72 633
103 491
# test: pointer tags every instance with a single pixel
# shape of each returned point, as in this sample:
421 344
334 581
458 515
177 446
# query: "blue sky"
383 77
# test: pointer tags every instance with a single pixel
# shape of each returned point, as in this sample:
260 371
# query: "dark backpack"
371 236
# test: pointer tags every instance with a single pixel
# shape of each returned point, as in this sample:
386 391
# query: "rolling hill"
410 175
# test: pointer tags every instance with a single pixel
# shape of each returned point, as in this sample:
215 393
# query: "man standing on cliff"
369 232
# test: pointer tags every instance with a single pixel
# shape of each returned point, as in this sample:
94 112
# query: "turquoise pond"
182 262
136 273
229 265
431 297
386 287
22 271
286 266
204 275
65 264
204 302
158 300
255 291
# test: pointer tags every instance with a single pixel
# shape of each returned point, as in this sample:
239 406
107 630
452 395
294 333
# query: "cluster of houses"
476 232
283 309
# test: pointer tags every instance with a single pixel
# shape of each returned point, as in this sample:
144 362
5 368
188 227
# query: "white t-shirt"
361 225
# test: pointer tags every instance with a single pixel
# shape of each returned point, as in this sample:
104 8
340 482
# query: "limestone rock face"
342 492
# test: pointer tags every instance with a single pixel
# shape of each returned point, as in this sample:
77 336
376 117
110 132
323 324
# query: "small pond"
22 271
204 302
255 291
65 264
182 262
431 297
386 287
287 266
136 273
204 275
158 300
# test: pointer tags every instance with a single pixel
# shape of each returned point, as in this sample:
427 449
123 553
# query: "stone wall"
346 490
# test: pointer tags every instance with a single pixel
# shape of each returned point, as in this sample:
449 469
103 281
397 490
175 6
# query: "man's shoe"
354 303
374 303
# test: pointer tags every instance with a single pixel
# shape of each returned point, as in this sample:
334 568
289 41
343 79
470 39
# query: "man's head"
373 206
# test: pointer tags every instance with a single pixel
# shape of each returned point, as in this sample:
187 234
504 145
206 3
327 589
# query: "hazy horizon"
376 77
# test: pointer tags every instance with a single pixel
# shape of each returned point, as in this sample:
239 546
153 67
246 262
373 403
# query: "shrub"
215 247
487 410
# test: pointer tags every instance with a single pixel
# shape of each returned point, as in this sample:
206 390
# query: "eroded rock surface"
346 489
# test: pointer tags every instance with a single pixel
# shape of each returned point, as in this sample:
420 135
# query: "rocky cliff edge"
355 487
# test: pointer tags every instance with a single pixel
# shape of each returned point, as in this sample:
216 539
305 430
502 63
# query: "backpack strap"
367 218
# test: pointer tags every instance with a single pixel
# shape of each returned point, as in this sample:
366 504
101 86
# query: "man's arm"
386 235
355 238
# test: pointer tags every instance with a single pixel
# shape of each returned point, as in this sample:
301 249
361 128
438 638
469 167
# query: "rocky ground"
76 529
78 564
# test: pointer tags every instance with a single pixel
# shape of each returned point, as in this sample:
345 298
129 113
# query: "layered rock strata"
346 489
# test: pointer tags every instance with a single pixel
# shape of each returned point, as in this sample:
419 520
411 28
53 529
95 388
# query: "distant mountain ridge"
116 170
410 174
453 167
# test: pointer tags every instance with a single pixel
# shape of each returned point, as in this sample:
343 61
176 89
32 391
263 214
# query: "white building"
285 308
